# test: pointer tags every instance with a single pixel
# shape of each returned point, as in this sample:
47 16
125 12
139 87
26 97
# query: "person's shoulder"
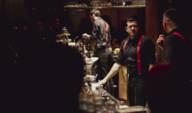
100 22
124 40
97 21
176 34
172 38
63 53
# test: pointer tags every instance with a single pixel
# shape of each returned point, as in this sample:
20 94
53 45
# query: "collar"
174 30
135 39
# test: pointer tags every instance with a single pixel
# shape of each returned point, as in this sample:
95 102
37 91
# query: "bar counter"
94 99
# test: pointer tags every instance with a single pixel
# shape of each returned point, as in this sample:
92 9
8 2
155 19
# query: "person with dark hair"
50 81
60 71
137 53
101 33
175 41
169 87
174 45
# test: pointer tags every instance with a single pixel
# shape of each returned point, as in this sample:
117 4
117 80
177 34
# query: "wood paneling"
152 19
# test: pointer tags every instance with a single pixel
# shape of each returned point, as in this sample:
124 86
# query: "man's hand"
160 40
85 35
102 82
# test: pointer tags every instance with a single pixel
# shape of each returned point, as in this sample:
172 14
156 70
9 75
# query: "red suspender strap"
179 35
105 31
139 69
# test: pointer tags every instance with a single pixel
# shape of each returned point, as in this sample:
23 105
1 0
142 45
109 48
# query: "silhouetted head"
170 19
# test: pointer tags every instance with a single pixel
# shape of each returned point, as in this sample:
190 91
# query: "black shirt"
175 48
128 56
101 32
131 54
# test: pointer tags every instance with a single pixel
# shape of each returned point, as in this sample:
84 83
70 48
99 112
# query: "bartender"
101 33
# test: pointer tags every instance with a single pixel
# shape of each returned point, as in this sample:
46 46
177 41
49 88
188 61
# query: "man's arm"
85 35
113 71
151 66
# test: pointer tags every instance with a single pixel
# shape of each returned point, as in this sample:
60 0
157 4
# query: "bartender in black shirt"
138 55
